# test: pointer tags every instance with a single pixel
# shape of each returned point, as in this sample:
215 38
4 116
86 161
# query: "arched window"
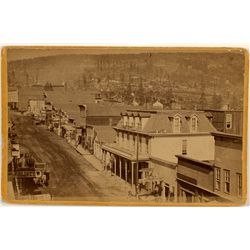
193 123
177 124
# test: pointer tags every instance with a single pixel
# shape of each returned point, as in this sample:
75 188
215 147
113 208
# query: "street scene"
114 125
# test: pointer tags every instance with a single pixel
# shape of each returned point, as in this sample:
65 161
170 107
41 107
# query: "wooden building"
195 181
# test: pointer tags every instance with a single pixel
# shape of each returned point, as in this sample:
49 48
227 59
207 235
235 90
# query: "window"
217 178
239 184
122 137
194 123
133 141
184 147
140 124
140 144
177 124
127 140
227 181
124 121
133 122
229 120
146 145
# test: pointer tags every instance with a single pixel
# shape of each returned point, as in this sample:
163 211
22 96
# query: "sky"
28 52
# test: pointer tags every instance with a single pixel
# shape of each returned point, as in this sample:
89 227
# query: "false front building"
208 181
147 142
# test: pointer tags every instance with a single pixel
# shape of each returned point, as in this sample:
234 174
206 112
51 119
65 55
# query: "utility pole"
60 112
137 164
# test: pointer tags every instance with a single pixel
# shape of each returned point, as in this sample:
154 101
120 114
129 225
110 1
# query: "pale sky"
29 52
17 53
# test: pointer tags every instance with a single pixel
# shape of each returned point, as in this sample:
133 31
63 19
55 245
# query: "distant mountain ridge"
185 70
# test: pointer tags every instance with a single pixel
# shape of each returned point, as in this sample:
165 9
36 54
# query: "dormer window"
133 123
177 124
193 123
140 123
125 121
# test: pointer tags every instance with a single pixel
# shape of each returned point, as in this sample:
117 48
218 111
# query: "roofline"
221 110
128 155
227 135
178 134
194 160
164 110
170 164
161 134
142 110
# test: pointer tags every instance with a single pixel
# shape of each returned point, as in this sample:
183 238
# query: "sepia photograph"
125 125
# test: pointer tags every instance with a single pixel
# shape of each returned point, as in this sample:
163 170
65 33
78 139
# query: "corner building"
147 142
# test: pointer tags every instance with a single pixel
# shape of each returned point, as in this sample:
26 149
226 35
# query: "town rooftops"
104 109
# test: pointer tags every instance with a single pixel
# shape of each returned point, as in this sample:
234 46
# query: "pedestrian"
156 189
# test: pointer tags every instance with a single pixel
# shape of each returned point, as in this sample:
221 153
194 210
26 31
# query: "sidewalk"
89 157
114 179
119 187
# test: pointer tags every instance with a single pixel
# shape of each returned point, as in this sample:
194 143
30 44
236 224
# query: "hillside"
189 72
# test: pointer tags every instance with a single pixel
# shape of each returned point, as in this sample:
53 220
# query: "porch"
125 164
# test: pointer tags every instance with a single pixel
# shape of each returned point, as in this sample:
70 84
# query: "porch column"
132 174
163 190
115 165
126 170
105 160
120 167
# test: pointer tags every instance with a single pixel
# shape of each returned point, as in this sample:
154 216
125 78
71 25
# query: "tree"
234 102
169 96
128 92
140 93
216 101
202 101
